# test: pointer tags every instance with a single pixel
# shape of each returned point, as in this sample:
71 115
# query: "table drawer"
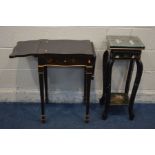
65 60
125 54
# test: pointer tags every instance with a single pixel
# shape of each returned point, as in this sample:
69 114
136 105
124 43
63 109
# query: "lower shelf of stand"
119 99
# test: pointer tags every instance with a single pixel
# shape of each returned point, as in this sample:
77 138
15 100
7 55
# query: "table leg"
104 68
88 76
46 83
108 89
135 88
85 86
41 84
127 86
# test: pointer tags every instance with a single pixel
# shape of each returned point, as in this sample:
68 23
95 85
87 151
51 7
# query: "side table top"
44 46
124 42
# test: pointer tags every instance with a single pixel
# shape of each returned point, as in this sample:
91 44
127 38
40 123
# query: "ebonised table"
60 53
121 48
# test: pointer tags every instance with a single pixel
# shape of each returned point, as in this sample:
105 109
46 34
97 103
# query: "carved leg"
127 86
135 88
108 89
41 84
88 75
46 83
104 68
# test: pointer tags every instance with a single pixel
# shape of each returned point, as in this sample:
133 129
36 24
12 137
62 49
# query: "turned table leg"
85 86
46 83
88 76
41 84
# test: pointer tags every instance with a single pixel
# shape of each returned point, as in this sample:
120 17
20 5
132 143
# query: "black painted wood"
41 84
46 83
55 47
104 71
135 88
59 53
126 52
129 76
107 73
88 75
108 88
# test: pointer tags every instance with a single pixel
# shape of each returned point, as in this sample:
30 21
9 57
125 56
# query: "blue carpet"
71 116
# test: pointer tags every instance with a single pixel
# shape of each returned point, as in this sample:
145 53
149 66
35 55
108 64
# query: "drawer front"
66 60
125 54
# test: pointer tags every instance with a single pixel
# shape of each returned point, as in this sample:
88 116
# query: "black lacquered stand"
121 48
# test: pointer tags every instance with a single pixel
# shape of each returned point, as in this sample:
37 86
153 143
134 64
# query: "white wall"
19 77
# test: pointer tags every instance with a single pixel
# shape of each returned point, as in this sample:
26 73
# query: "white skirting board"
32 96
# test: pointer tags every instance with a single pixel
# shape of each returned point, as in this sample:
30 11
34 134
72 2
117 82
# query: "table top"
44 46
127 42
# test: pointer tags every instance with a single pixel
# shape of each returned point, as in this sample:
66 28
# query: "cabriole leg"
104 69
108 89
129 76
135 88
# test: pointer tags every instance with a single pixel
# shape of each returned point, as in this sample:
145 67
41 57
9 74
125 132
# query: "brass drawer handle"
65 61
89 61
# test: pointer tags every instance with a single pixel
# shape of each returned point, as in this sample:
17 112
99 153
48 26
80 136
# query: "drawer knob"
65 61
89 61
